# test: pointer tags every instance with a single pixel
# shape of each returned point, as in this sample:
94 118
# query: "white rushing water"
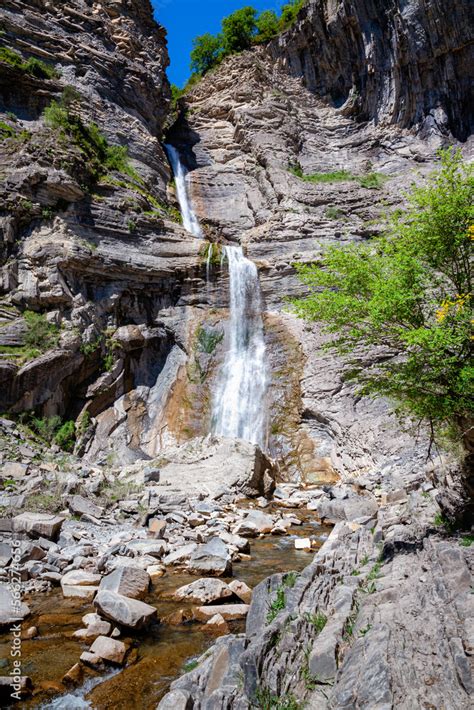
190 221
239 409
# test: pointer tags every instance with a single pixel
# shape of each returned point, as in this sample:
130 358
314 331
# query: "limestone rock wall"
400 63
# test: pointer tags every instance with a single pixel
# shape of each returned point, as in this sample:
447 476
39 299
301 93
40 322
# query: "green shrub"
333 213
32 65
372 181
6 131
238 30
66 436
8 56
289 13
40 334
317 620
268 26
409 291
39 69
208 340
206 53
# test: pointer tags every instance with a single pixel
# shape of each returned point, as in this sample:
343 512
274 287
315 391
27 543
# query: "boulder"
229 612
131 613
109 649
176 700
131 582
180 555
212 558
98 628
79 583
8 685
203 591
74 675
218 623
38 525
241 590
12 609
78 505
154 548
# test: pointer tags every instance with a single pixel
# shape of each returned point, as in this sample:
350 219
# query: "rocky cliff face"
91 249
390 62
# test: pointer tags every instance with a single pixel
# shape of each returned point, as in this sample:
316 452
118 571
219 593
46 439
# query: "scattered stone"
302 543
38 525
127 612
91 659
78 505
74 676
218 623
109 649
203 591
181 555
229 612
79 583
12 610
241 590
130 582
211 558
155 572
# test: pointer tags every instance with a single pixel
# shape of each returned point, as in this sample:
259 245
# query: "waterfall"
239 402
190 221
239 409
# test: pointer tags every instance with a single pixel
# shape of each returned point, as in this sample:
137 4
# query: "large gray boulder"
38 525
213 465
131 582
213 558
203 591
131 613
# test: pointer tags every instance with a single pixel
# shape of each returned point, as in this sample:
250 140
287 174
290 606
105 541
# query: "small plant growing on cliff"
208 340
318 621
40 334
410 293
65 437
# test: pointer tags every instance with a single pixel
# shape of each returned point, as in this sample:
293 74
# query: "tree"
206 53
410 293
289 13
238 30
267 25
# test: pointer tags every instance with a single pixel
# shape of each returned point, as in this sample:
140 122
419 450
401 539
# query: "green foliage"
33 66
333 213
289 580
101 156
372 181
467 540
277 605
207 340
206 53
266 700
238 30
409 292
92 346
289 13
268 26
66 436
83 423
39 69
317 620
190 666
131 226
6 131
40 334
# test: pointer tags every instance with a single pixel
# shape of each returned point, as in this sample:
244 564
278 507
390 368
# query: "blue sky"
186 19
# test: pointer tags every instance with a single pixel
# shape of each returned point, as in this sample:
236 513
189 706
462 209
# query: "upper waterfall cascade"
190 221
238 409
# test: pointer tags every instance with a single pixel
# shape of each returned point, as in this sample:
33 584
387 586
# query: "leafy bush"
238 30
268 26
289 13
409 292
206 53
32 65
66 436
40 334
208 340
93 144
